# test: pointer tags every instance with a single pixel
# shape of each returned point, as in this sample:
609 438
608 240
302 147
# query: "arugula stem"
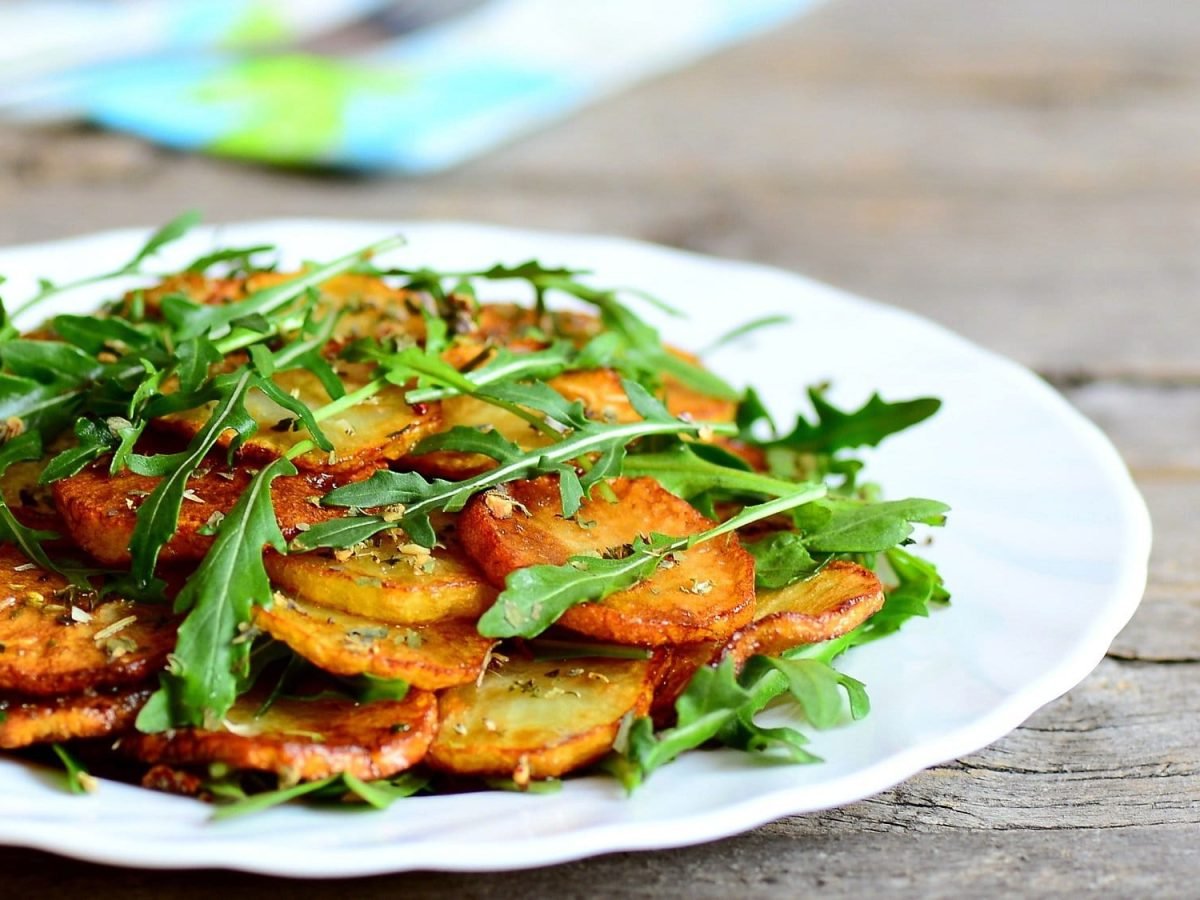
490 374
351 399
750 514
565 452
53 290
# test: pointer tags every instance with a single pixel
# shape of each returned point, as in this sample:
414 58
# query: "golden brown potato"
679 664
175 781
379 430
531 719
682 400
429 656
838 598
304 739
100 510
32 504
56 640
519 326
706 593
91 714
388 579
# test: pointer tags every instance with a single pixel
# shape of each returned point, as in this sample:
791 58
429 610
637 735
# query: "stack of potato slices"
342 523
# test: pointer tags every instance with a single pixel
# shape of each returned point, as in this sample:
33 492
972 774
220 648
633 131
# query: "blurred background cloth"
270 81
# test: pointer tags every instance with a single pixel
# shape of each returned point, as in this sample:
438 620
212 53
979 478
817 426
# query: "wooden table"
1026 173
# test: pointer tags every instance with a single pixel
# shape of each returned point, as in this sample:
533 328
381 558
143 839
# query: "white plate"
1046 554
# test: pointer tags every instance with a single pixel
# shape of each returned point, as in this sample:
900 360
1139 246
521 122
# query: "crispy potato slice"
368 434
707 594
304 739
514 325
388 579
55 640
100 510
32 504
92 714
679 664
531 719
429 656
835 600
169 780
682 400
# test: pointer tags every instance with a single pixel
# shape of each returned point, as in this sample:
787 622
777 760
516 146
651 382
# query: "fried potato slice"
91 714
682 400
515 326
304 739
32 504
531 719
838 598
679 664
368 434
100 510
429 656
388 579
706 594
55 640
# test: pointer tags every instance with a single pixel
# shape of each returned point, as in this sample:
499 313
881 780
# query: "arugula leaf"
816 686
172 231
745 329
79 780
714 707
463 439
193 359
95 439
130 430
239 257
8 331
508 366
158 516
202 682
682 472
836 525
383 793
919 584
94 334
780 559
259 802
368 688
49 362
167 234
378 794
533 598
835 429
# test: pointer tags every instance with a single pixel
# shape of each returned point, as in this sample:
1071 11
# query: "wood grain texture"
1023 172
